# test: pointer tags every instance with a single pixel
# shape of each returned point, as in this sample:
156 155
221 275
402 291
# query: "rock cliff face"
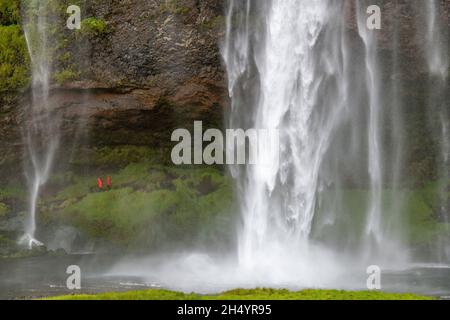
138 70
142 68
135 71
168 45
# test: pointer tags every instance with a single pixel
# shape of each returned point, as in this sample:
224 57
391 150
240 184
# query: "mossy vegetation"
246 294
12 199
116 156
7 246
12 191
152 205
149 205
14 71
63 43
214 23
64 76
174 7
424 207
3 209
93 26
412 214
9 12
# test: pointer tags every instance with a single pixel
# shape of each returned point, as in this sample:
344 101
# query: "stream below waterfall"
38 277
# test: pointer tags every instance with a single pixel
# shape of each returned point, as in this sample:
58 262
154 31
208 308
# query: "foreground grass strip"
241 294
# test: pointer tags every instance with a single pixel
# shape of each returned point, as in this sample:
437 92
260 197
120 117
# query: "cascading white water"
437 57
288 84
40 134
372 67
436 40
291 67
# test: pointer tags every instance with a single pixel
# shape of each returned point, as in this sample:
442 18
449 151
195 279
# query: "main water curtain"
317 73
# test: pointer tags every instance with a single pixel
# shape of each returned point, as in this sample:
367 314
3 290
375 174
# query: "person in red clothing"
100 183
108 182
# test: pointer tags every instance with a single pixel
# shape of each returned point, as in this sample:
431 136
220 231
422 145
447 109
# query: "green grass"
13 58
9 12
93 26
256 294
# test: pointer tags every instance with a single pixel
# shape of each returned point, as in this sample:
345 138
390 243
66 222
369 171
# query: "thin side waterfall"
437 39
372 83
437 57
41 132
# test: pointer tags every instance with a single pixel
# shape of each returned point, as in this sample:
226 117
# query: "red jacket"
100 183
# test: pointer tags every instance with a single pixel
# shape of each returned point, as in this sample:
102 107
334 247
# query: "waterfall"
287 78
292 66
41 129
436 46
372 83
350 104
437 58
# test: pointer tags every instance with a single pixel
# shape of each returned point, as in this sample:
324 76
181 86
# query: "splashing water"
288 78
301 60
41 132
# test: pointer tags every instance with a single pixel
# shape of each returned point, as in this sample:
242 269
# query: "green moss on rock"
93 26
9 12
3 209
66 75
14 70
174 7
149 206
116 156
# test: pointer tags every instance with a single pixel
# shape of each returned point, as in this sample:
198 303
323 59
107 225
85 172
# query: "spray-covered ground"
45 276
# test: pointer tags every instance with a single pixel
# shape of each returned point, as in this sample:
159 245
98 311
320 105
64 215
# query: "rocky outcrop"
151 52
133 73
154 44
